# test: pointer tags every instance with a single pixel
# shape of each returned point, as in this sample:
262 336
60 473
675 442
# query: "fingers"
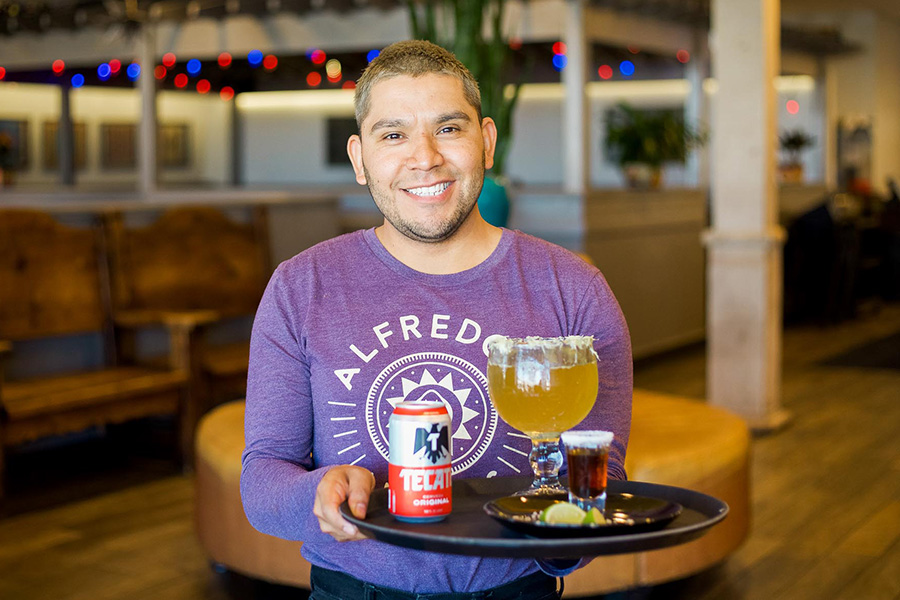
344 483
362 482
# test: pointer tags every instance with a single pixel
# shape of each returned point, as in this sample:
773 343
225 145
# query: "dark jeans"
333 585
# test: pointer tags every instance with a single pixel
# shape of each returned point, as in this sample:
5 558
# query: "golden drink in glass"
542 387
548 407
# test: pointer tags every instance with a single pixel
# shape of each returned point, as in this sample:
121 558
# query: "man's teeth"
432 190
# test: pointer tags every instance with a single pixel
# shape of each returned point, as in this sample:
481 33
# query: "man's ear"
489 133
354 151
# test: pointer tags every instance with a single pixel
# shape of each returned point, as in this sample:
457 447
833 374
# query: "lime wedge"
562 513
594 517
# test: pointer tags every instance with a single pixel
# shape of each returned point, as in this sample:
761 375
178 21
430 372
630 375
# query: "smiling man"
355 325
422 149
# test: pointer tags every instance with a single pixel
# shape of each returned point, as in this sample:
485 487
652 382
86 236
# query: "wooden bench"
53 286
196 265
674 441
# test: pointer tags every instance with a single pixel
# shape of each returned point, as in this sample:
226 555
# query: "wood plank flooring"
826 499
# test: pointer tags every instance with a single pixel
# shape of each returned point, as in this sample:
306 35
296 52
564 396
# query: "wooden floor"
826 499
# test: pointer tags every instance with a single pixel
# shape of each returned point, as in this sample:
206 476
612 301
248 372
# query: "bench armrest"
184 328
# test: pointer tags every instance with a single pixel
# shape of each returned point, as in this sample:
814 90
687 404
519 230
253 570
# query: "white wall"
284 132
208 116
867 83
284 136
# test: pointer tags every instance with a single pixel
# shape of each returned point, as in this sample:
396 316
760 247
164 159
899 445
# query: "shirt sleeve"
601 316
278 478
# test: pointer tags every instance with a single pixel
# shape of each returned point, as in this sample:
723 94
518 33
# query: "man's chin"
428 237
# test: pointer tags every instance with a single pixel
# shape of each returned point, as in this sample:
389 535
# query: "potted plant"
642 141
473 31
793 142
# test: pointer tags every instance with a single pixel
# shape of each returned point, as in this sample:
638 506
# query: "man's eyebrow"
454 116
399 123
388 124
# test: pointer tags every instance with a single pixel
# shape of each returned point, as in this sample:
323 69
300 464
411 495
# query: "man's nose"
424 153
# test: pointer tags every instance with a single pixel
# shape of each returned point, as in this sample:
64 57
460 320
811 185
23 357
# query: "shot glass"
587 454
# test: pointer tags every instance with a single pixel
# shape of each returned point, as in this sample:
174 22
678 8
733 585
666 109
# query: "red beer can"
419 462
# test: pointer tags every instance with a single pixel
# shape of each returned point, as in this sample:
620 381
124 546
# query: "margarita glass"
542 387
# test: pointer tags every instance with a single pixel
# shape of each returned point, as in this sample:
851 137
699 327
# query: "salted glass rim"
505 343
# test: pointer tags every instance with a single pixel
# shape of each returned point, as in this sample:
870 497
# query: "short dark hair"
413 58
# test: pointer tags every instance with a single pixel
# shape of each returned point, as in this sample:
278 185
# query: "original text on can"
419 462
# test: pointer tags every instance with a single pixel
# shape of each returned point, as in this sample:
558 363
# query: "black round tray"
469 530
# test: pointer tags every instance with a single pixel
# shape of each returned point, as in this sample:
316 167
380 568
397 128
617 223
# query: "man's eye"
449 129
392 136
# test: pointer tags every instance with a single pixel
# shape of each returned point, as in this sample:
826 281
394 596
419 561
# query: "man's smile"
428 191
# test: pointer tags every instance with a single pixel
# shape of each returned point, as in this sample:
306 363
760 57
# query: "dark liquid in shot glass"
587 475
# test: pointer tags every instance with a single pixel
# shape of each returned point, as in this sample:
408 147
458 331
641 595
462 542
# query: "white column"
744 243
237 145
696 111
576 153
826 101
146 147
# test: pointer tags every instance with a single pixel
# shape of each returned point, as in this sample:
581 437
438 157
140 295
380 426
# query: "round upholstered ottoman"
689 444
674 441
224 531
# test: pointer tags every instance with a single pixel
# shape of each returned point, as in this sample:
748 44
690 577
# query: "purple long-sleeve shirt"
345 330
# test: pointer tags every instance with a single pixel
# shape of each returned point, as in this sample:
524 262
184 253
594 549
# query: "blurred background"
728 165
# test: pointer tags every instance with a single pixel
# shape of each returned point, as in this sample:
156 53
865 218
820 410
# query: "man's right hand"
343 483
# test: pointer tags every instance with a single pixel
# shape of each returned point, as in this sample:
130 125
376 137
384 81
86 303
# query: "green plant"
460 27
793 141
649 137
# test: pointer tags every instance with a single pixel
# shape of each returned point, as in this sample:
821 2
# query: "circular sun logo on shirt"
434 376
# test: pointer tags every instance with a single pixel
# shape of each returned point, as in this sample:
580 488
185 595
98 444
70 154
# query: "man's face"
423 153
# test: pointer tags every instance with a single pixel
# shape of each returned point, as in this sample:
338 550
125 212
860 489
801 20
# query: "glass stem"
546 460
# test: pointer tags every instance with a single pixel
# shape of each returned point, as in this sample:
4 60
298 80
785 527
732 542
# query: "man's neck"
468 247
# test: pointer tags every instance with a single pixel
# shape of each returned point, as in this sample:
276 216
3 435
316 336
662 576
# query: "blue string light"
77 80
560 61
104 71
133 71
193 66
626 68
255 57
372 55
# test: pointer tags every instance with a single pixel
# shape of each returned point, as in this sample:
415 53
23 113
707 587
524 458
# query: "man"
358 323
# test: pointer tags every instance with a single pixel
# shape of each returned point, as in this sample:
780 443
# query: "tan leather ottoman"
225 533
673 441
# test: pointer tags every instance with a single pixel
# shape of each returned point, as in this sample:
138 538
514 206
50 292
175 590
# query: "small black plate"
625 513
